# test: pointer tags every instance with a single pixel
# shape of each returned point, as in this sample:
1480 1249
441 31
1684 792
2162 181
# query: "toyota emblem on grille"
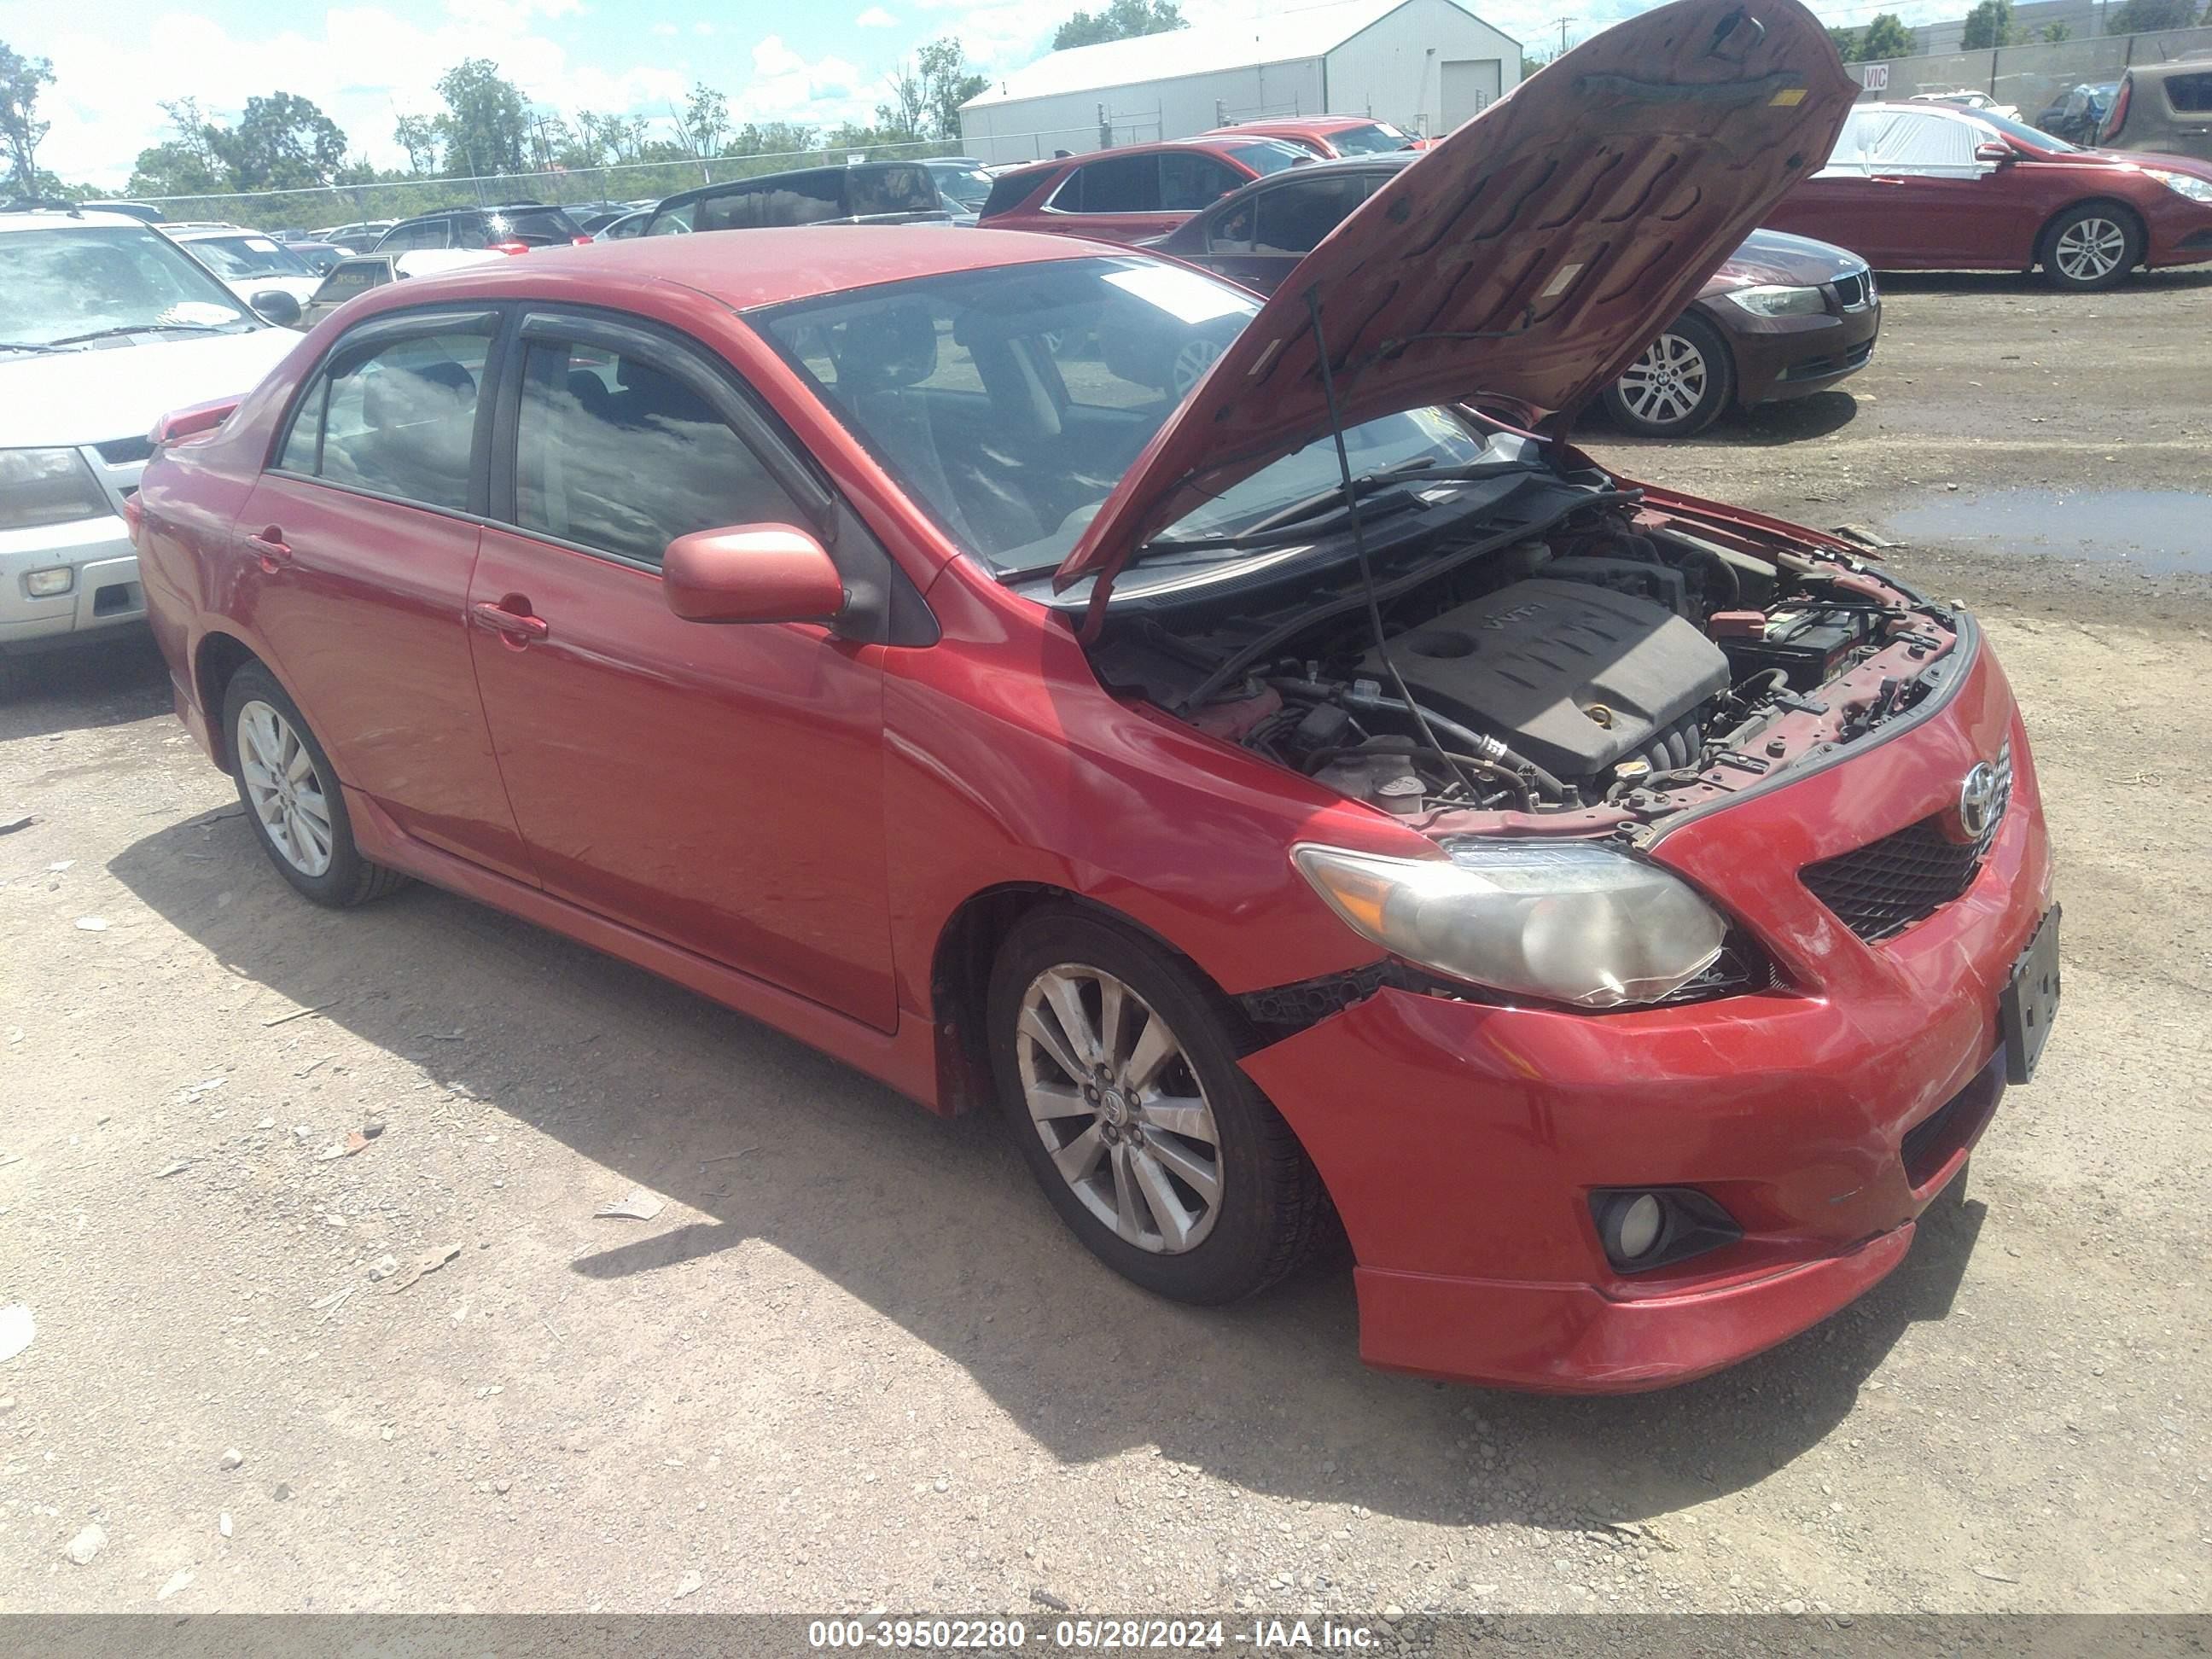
1978 799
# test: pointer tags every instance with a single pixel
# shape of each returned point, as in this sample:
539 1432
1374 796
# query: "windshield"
57 284
1008 403
1376 138
1266 156
2025 133
969 186
247 256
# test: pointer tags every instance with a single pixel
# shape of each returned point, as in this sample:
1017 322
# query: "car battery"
1808 643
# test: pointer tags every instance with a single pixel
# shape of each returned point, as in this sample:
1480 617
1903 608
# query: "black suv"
511 226
861 193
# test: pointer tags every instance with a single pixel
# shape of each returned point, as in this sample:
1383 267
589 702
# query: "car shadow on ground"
2177 278
937 1227
1794 419
110 683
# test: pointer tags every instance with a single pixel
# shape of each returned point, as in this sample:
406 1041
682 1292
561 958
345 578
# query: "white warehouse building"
1428 65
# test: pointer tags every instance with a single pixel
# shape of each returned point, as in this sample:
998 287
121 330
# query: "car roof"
752 181
1208 143
763 267
52 218
2195 65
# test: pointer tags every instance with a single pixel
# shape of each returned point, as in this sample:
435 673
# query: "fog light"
44 584
1641 1228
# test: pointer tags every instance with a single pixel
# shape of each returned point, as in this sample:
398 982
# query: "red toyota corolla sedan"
1319 800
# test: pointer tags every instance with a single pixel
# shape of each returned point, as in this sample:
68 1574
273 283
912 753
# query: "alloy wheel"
1114 1097
1191 362
284 789
2089 250
1667 381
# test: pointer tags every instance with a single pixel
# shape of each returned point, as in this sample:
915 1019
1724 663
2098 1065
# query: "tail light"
2119 117
581 241
194 421
134 516
508 247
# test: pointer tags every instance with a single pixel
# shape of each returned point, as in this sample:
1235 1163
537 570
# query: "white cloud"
875 18
664 29
703 26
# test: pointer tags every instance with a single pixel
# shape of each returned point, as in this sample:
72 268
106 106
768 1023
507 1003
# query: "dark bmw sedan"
1786 315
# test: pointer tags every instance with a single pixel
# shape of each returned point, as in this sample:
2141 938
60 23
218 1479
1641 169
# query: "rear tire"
1678 387
1115 1066
291 794
2091 246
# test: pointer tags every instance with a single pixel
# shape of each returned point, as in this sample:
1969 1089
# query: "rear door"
716 786
357 545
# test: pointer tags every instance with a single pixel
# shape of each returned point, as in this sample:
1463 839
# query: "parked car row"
1569 979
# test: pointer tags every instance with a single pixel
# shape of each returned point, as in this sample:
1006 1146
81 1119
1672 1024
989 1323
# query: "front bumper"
1461 1141
103 593
1778 357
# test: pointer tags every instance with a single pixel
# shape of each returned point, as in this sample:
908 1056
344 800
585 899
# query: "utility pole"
1564 23
545 151
691 138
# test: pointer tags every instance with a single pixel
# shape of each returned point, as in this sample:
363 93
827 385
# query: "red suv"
1308 803
1140 190
1328 136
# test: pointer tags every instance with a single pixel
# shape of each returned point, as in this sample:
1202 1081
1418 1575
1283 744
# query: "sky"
115 62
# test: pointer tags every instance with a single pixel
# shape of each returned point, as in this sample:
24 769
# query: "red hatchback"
1918 187
1129 194
1315 802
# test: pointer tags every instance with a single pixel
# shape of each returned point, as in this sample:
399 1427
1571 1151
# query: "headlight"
1766 302
1567 922
47 486
2185 184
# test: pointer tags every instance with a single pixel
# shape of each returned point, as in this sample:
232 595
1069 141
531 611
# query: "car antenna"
1359 544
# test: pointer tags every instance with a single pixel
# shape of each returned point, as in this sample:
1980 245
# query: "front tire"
1114 1066
1678 387
291 794
2090 247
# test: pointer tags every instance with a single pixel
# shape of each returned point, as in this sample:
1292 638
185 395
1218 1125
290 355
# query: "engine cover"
1576 677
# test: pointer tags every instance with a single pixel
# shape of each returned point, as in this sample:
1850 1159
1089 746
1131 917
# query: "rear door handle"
511 619
270 547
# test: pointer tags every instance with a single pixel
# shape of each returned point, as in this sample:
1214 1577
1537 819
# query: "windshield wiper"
142 328
24 345
1290 523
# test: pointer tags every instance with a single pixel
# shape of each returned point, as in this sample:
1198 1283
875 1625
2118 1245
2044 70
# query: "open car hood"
1532 255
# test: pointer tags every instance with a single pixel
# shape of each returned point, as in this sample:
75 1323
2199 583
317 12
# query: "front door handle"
268 546
511 619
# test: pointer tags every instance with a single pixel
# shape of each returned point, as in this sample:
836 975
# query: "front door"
357 547
718 787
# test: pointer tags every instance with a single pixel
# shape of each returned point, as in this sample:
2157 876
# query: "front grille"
1853 293
1880 889
1842 362
122 452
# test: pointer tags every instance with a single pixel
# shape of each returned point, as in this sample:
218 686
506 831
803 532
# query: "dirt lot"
855 1362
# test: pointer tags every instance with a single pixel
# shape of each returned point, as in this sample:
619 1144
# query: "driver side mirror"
1994 152
752 573
274 304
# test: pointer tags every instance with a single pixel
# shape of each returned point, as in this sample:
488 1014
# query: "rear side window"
406 238
1008 191
797 198
396 419
2190 95
1190 181
350 276
1125 184
594 425
1294 217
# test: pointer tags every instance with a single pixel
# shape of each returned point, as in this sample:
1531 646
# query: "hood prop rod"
1359 544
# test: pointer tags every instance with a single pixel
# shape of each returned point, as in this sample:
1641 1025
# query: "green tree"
947 83
1845 41
22 79
2054 34
2141 16
1884 38
418 136
901 119
176 168
706 119
484 129
282 142
1118 20
1988 24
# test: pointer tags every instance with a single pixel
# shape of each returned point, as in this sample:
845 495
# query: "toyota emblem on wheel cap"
1977 795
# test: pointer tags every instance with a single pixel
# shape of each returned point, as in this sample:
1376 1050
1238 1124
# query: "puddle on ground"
2165 532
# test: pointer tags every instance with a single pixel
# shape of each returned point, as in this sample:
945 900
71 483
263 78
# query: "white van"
105 327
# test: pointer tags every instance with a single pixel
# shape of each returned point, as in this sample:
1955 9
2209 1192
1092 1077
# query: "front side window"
1190 181
672 221
2190 95
397 418
969 186
800 198
76 285
1008 403
1294 217
350 276
617 454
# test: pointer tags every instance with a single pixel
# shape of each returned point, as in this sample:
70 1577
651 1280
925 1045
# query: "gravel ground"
855 1363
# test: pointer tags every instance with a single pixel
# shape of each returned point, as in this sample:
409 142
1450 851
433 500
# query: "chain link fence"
2035 78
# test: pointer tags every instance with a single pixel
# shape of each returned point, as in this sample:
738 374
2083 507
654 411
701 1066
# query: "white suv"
105 327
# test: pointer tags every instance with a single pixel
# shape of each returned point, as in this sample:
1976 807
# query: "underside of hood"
1531 255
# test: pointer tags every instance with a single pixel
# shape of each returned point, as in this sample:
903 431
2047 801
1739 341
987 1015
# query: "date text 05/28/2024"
1263 1635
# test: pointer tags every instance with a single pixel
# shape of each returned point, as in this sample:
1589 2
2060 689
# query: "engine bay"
1620 663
